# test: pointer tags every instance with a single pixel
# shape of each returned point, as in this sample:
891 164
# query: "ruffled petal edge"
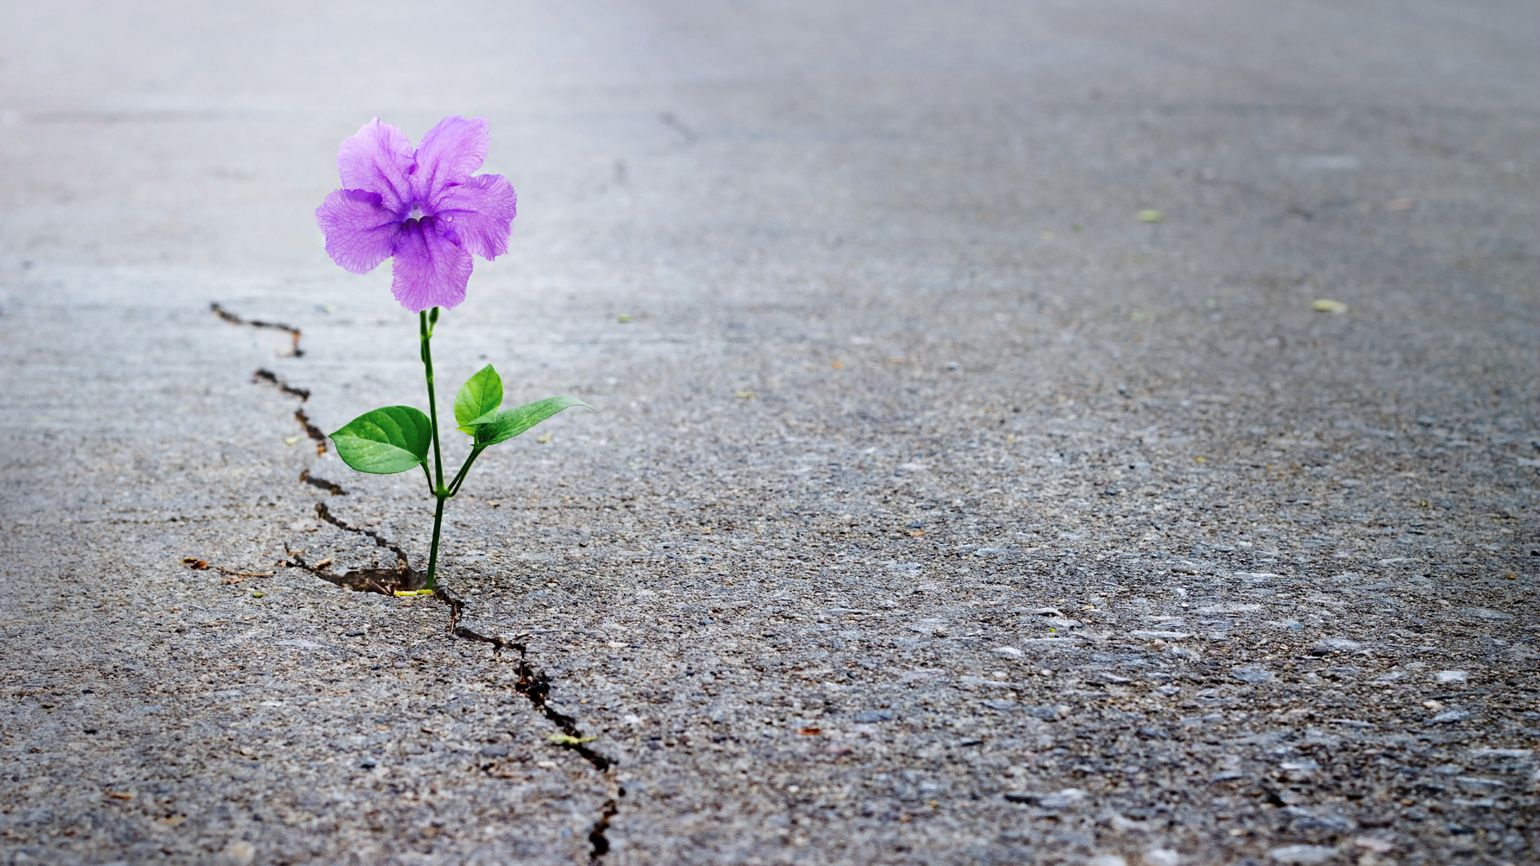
359 232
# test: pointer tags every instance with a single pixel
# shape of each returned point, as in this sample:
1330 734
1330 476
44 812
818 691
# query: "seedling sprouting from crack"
423 208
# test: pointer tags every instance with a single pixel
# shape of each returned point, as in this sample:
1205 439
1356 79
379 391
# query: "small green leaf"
479 396
385 441
511 422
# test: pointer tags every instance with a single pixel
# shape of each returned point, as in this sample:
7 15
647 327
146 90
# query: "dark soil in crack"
385 581
331 487
533 683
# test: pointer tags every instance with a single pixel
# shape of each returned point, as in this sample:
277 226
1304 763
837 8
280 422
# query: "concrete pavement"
939 508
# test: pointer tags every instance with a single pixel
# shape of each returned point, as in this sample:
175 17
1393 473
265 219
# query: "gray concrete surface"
939 509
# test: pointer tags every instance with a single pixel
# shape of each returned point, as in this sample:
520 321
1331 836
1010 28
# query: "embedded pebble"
1448 677
1373 843
1161 857
1054 801
1302 855
1063 799
238 853
1327 646
1306 821
1229 608
1252 674
1502 753
1299 771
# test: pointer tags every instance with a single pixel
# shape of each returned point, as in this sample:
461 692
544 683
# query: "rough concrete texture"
939 509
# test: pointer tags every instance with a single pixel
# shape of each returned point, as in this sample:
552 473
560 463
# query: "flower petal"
359 232
378 159
431 269
448 154
479 214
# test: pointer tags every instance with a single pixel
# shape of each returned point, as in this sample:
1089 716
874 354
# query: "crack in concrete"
402 562
331 487
678 127
533 683
385 581
302 394
268 376
295 351
311 430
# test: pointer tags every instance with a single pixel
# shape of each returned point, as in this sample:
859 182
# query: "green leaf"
385 441
509 423
479 396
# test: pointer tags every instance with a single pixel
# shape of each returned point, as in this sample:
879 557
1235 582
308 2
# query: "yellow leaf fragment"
569 740
1327 305
1151 216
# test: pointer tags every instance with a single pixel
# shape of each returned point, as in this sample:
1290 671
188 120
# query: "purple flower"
421 206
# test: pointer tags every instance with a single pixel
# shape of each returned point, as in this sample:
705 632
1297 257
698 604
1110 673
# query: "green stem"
425 333
438 521
454 486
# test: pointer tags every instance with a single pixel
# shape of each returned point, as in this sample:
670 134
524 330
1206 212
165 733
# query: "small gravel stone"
1063 799
1053 801
1252 674
1327 646
1373 843
238 853
1302 855
1300 770
1448 677
1486 613
1306 821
